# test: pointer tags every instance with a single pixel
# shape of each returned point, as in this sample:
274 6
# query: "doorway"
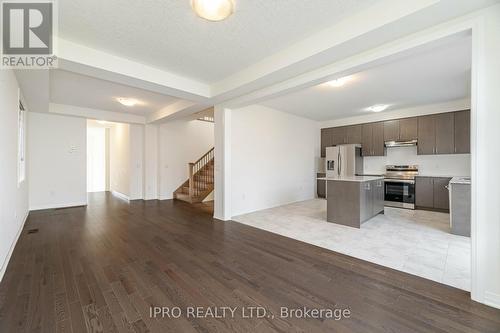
97 158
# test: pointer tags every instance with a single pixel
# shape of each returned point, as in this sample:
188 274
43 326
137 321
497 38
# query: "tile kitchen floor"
413 241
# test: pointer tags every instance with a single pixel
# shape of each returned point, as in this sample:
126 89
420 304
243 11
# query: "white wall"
13 196
273 156
96 159
181 142
429 165
58 162
119 159
151 160
136 162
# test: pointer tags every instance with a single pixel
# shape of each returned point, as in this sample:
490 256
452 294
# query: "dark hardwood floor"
100 268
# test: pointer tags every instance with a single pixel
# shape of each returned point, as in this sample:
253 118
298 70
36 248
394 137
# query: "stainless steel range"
399 185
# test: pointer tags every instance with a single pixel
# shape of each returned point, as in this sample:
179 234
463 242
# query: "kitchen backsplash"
431 165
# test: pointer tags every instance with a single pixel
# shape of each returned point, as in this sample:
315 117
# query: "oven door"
399 193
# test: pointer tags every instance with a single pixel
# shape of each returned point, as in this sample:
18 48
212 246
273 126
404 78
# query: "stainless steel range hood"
391 144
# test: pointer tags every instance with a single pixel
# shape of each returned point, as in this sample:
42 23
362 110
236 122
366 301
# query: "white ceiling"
438 75
167 34
84 91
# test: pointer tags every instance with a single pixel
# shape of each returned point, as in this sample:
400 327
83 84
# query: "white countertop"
435 176
460 180
359 179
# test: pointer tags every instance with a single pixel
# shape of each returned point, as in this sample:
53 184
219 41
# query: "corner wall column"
222 208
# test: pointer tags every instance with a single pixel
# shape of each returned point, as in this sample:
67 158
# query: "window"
21 140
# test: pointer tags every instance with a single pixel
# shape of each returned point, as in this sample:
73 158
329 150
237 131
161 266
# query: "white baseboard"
12 246
61 205
492 299
120 195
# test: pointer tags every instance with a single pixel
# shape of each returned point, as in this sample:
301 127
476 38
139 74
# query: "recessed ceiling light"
378 107
213 10
127 101
338 82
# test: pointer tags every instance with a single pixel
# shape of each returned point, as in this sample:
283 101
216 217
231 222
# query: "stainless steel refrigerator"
343 161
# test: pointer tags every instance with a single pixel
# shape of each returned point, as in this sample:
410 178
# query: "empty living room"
250 166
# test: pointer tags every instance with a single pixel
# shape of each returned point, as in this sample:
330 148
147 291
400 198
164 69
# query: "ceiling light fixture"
338 82
127 101
378 107
213 10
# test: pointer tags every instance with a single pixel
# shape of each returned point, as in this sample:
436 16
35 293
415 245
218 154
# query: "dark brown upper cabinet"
367 140
436 134
391 130
378 139
462 132
373 139
326 140
339 135
445 133
426 135
408 129
400 129
353 134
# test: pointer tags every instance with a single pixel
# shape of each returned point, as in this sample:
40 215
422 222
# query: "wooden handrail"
203 174
210 151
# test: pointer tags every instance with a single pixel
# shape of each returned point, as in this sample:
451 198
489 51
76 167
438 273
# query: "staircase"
201 180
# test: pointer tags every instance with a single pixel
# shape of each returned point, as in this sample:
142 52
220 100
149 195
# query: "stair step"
187 198
183 197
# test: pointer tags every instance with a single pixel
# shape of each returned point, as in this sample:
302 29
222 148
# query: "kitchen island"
353 200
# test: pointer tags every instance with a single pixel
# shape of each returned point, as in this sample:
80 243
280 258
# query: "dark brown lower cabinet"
378 196
441 195
321 188
432 193
424 192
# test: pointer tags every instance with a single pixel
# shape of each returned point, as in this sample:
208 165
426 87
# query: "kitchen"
345 148
383 173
